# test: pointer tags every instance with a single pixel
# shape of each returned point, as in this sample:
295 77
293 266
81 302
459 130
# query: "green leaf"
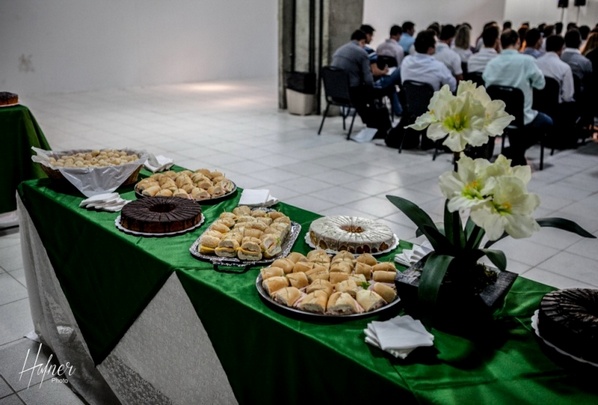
564 224
474 238
439 242
431 279
497 257
453 228
418 216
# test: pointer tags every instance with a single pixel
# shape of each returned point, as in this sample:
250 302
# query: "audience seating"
336 89
513 99
475 77
417 98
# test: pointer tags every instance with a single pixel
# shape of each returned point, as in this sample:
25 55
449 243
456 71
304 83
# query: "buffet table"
19 131
182 332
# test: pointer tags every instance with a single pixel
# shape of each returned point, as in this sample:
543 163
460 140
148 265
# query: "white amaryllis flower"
469 186
509 210
469 117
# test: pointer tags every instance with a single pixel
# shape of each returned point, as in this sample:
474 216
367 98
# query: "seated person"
580 65
533 43
382 78
422 66
353 59
478 61
513 69
407 39
445 54
391 46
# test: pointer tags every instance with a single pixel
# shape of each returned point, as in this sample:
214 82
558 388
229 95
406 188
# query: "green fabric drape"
270 356
19 131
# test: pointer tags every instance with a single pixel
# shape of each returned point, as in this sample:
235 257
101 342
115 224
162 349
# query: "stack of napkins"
409 256
257 198
106 202
398 336
158 163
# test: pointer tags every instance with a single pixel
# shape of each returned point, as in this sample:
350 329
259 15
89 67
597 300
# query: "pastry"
354 234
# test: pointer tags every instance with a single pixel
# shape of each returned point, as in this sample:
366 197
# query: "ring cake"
7 98
569 320
354 234
160 215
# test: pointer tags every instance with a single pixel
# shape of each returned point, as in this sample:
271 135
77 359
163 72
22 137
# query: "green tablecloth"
18 133
108 278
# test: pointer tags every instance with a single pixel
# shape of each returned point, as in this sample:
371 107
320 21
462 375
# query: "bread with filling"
314 302
369 300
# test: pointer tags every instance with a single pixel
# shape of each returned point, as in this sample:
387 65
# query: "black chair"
417 97
547 99
336 89
385 60
475 77
514 100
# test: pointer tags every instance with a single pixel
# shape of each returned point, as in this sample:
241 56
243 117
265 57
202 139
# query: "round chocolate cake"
160 215
569 320
8 98
354 234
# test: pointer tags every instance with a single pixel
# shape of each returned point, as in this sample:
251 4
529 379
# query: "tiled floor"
235 127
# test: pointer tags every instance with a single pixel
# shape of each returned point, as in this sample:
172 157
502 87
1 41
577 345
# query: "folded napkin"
257 198
398 336
409 256
158 163
110 202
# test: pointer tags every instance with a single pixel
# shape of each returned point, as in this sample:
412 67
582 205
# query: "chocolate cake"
7 98
569 320
160 215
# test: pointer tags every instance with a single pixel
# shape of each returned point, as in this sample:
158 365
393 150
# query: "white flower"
510 210
469 186
469 117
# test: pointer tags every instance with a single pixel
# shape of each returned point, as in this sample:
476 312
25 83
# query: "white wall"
382 14
539 11
73 45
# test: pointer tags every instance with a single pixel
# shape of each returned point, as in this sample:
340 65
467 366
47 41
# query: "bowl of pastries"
323 285
200 185
246 236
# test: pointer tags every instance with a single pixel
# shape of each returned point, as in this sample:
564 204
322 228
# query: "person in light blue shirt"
408 38
513 69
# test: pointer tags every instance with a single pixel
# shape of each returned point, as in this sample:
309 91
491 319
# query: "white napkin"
365 135
257 198
398 336
409 256
158 163
110 202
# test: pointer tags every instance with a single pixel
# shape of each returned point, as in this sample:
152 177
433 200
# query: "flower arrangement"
492 196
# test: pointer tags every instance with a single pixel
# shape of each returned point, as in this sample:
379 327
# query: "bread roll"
369 300
151 191
385 291
320 284
363 268
358 278
271 271
287 296
385 266
298 280
337 277
343 255
296 257
384 276
314 302
273 284
285 264
302 267
366 258
342 304
347 286
341 267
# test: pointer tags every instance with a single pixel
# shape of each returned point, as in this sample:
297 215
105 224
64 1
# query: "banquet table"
19 131
111 284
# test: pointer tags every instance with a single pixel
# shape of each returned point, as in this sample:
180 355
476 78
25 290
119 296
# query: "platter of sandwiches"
246 237
335 286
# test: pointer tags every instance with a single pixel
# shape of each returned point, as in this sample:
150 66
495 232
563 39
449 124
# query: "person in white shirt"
552 66
391 46
422 66
462 43
445 54
478 61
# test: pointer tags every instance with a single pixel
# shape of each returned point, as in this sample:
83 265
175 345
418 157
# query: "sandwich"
208 244
298 280
271 271
273 284
385 291
369 300
341 303
287 296
363 268
285 264
385 266
271 245
296 257
384 276
314 302
366 258
227 247
320 284
250 249
347 286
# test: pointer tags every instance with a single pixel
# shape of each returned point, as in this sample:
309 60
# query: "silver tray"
125 230
204 201
395 243
286 247
266 297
